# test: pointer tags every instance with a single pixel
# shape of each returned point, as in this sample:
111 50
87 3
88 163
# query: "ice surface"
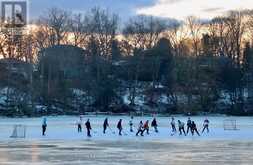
63 127
64 146
126 152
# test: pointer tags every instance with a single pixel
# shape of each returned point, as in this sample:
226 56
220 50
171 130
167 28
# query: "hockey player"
173 126
119 126
145 128
131 124
44 126
194 128
88 127
105 125
79 124
189 123
205 125
154 124
181 127
140 127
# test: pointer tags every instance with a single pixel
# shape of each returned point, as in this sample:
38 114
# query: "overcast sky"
178 9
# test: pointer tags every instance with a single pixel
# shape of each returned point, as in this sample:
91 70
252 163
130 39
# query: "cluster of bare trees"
196 62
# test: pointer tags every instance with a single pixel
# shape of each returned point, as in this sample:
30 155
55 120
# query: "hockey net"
19 131
230 124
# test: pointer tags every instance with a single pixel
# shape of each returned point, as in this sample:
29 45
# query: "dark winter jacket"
193 126
106 124
189 123
87 124
154 123
119 125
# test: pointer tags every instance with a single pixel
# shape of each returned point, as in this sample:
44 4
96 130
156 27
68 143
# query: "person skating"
140 127
88 127
181 127
205 125
44 126
154 124
119 126
173 126
145 128
79 124
105 125
194 128
189 123
131 124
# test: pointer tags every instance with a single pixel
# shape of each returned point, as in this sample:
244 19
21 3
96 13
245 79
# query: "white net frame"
19 131
230 124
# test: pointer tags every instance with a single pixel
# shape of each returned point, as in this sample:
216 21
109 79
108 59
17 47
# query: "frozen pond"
176 152
63 145
64 127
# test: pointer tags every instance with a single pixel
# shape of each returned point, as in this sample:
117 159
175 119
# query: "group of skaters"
141 128
191 127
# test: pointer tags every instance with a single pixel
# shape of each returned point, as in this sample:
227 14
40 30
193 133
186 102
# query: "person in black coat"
119 126
194 128
154 124
88 127
189 125
105 125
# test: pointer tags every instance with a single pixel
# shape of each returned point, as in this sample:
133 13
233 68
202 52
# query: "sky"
177 9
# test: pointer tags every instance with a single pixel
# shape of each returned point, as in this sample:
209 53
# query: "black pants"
44 128
79 128
195 130
156 130
181 129
88 133
104 129
145 129
174 128
139 131
205 127
131 128
120 129
188 129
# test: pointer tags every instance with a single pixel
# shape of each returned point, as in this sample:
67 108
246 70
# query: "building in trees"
61 62
61 68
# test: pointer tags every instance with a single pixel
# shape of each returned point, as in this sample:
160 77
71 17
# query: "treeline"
146 64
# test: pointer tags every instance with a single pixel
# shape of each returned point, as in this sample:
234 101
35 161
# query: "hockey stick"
95 132
113 132
124 132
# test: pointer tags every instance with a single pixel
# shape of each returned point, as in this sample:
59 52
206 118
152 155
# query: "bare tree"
79 29
102 27
143 32
177 36
57 22
194 26
236 27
